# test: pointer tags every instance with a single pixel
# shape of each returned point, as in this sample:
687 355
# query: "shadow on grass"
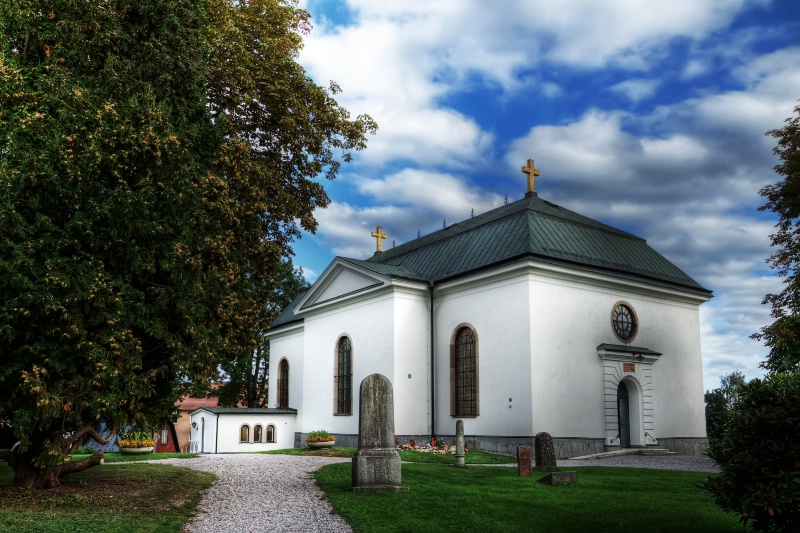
124 498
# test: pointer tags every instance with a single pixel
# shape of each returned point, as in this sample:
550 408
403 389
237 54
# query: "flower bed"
319 436
440 448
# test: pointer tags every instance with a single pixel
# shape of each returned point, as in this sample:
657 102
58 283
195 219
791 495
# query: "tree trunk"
28 476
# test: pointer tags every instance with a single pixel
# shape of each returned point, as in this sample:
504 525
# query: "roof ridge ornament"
532 172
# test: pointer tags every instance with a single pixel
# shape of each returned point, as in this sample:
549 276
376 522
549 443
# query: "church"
527 318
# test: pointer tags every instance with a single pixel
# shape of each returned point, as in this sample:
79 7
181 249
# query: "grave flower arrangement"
136 439
440 448
319 435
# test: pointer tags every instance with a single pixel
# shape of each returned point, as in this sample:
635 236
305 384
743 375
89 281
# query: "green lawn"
112 457
472 457
483 498
125 498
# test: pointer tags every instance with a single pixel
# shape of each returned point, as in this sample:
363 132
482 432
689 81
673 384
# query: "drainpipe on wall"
433 369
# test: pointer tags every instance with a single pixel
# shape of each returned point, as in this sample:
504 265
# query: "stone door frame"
634 367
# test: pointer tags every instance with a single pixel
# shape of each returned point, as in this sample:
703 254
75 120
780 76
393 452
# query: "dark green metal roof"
537 229
248 410
529 228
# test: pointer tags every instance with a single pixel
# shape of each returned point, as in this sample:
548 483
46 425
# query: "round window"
623 319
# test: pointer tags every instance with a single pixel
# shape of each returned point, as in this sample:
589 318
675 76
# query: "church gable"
339 280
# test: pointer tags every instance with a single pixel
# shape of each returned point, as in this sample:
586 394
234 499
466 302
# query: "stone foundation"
565 447
694 446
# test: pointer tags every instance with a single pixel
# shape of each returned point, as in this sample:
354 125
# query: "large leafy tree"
721 401
783 198
247 372
156 160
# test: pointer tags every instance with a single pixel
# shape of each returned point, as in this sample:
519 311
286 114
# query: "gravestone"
569 477
376 464
460 444
524 461
544 452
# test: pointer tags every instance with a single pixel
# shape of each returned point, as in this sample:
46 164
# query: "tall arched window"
344 377
283 384
270 433
464 374
257 433
244 434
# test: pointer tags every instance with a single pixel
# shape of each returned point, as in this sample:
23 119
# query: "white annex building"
527 318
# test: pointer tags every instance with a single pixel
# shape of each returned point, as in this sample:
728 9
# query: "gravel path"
256 493
262 493
661 462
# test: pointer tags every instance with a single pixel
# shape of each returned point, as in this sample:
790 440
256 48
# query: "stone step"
626 451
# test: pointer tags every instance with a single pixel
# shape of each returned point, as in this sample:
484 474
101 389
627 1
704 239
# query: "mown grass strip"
127 498
496 499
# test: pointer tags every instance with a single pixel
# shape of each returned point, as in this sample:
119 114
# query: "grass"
497 499
125 498
111 457
410 456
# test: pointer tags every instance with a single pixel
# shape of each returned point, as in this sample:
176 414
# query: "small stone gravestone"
569 477
376 464
544 452
524 461
460 444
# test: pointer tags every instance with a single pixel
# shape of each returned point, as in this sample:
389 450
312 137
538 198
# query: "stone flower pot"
136 451
326 444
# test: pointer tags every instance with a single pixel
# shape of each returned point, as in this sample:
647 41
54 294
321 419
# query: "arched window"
257 434
464 374
270 433
283 384
344 377
244 434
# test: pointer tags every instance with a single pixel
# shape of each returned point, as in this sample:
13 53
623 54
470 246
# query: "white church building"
527 318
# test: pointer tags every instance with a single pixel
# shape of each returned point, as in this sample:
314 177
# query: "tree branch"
77 466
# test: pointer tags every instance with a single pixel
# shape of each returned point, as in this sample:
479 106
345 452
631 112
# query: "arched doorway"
623 415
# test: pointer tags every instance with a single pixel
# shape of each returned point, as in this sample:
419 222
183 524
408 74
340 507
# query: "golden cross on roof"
379 235
531 172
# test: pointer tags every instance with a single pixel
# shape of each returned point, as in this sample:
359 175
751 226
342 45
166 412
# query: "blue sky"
646 115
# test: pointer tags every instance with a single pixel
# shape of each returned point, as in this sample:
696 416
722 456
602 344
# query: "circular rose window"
623 319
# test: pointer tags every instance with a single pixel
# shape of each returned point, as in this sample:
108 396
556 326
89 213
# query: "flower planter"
136 451
326 444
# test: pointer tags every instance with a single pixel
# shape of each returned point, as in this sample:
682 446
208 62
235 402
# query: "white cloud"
402 204
636 90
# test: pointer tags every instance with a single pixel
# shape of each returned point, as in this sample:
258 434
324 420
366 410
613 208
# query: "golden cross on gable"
379 235
531 172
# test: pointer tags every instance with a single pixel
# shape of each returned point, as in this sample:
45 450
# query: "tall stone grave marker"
524 461
544 452
460 444
376 465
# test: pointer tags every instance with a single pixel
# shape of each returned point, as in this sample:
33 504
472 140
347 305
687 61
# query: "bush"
759 455
85 450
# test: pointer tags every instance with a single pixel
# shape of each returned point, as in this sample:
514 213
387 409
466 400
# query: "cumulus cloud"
636 90
682 169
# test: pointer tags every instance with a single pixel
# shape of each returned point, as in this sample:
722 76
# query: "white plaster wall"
208 443
570 318
498 311
370 325
343 282
411 363
230 425
289 345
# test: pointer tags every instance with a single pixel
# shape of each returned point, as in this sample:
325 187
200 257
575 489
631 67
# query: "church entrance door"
623 414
